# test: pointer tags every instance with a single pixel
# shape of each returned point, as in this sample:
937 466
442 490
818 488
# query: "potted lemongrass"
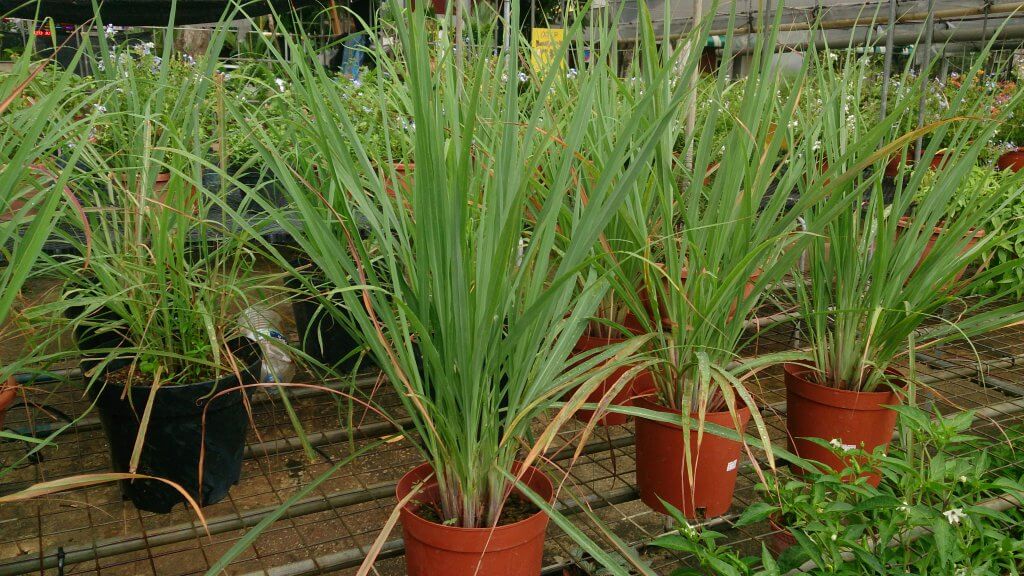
494 317
724 247
876 288
151 301
151 295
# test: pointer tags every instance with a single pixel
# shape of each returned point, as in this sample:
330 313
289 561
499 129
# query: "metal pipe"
375 430
893 17
890 45
924 61
860 37
977 376
627 36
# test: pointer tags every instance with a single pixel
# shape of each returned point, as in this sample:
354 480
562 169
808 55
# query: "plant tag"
731 466
848 447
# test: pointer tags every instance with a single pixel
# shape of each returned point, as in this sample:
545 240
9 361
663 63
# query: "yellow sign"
546 43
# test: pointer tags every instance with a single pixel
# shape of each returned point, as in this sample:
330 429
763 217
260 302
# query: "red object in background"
893 167
622 398
1012 160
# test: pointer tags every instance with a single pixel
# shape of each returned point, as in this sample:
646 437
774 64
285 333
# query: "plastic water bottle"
260 324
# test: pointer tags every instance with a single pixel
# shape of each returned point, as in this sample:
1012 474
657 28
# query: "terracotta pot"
622 398
892 169
780 538
660 470
1012 160
404 174
854 419
8 393
432 549
976 235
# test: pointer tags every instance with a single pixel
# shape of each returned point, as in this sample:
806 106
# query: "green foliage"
152 261
935 512
1004 221
479 260
718 559
874 280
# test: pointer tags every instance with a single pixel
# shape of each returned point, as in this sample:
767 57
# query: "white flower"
367 109
904 507
572 73
148 47
955 515
836 443
99 108
522 76
963 479
834 537
109 31
504 77
280 84
357 83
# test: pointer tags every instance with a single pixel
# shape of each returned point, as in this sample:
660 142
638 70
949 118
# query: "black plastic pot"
321 335
176 433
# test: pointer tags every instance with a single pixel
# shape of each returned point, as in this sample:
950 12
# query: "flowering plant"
936 511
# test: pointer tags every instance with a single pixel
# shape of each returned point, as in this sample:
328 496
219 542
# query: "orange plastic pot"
622 398
976 235
8 393
1012 160
780 538
403 172
892 168
860 420
433 549
661 473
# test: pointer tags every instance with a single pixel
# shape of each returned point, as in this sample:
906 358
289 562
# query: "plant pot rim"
237 346
7 395
456 530
905 222
649 402
588 342
799 384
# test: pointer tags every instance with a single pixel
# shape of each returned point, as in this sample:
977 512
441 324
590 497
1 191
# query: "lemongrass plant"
154 266
479 294
881 271
719 241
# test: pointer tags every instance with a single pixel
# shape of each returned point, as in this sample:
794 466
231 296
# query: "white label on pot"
731 466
